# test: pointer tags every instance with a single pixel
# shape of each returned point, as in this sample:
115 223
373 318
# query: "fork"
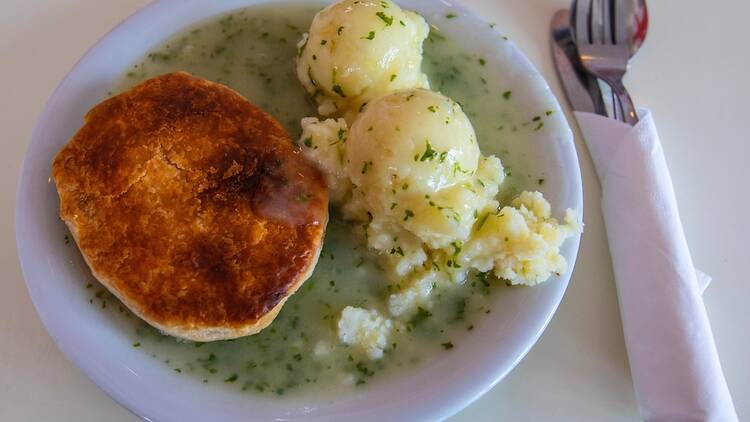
605 51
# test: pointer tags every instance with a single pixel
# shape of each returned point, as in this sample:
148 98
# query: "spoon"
609 33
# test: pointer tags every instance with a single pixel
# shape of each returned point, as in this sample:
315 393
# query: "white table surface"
692 74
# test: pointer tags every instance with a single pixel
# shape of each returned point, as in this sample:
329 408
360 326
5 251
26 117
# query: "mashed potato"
404 165
414 157
358 50
412 162
520 243
410 172
364 329
324 144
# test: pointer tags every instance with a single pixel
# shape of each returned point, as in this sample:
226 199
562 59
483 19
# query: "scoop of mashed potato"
414 158
412 161
358 50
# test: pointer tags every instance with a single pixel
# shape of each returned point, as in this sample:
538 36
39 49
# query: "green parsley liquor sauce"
253 51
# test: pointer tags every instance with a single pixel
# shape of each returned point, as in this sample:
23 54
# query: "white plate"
99 347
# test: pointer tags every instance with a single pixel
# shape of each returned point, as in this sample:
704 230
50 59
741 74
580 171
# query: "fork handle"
626 110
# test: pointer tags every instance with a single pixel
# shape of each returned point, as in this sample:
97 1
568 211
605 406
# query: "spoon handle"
626 111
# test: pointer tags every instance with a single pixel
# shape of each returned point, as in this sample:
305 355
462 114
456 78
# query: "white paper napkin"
673 360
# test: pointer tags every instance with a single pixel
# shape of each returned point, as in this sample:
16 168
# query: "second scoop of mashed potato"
358 50
414 158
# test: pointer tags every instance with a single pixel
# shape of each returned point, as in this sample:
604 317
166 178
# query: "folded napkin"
673 360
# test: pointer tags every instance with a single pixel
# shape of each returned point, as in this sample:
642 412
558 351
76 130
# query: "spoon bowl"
609 33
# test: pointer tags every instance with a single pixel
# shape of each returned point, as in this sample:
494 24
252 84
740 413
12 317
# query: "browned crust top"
191 204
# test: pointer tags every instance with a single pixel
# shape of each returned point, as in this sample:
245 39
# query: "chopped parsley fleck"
308 142
67 239
341 134
457 246
460 310
370 36
232 378
211 358
536 119
482 61
297 357
548 112
337 89
539 127
397 250
458 169
402 23
452 214
370 129
393 205
432 108
429 153
447 345
482 220
384 4
364 370
541 182
484 278
507 94
338 31
393 77
451 16
323 42
136 344
421 315
385 18
366 167
408 214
